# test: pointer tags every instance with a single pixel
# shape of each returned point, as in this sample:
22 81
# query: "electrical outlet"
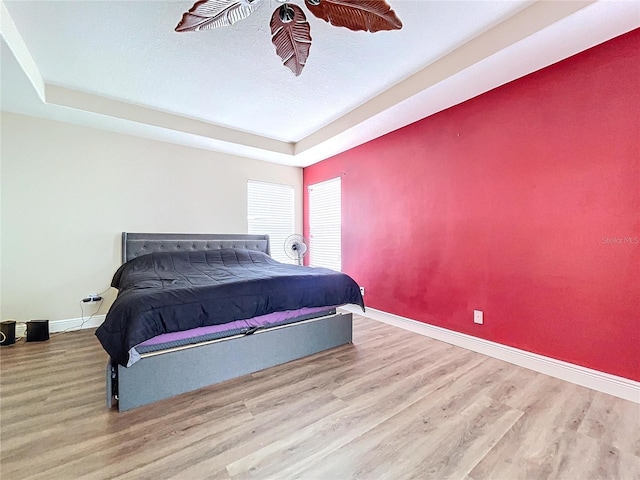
92 297
478 317
362 291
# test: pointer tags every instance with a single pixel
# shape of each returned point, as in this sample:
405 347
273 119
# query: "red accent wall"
523 202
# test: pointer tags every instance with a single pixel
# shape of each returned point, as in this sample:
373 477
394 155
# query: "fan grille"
295 246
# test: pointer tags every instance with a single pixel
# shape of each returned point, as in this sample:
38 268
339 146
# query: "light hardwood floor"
395 405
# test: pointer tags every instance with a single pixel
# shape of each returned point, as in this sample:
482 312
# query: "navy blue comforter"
174 291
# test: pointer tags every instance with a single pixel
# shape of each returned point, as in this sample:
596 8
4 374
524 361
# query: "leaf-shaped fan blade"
368 15
208 14
291 36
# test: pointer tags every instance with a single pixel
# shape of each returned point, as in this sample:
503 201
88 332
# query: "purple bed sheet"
261 321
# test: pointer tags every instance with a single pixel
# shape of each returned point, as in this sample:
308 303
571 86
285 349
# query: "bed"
197 309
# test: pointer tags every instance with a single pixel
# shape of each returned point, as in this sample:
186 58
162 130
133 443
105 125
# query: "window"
325 217
270 210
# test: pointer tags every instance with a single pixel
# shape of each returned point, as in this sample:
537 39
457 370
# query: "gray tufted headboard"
136 244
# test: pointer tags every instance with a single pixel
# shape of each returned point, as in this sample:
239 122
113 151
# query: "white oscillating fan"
295 246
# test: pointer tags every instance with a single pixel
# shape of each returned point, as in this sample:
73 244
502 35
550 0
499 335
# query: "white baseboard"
66 325
586 377
71 324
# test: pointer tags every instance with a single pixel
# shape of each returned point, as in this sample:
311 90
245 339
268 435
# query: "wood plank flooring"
395 405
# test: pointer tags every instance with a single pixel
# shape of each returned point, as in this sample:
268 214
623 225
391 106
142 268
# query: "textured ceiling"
121 66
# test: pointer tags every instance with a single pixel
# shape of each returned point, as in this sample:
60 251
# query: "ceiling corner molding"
527 22
14 41
66 97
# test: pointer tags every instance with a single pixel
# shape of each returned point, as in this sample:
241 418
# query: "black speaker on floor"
8 329
37 330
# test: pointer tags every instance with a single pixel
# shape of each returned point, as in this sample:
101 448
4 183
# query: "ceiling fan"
290 31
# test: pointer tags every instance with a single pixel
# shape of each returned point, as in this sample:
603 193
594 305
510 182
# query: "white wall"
68 192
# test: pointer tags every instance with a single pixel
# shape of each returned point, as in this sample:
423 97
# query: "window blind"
270 210
325 219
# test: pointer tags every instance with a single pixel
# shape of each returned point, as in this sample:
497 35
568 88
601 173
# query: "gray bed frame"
167 373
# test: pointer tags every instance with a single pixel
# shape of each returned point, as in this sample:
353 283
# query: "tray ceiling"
121 66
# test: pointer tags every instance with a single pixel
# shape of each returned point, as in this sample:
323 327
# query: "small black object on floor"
37 330
8 330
